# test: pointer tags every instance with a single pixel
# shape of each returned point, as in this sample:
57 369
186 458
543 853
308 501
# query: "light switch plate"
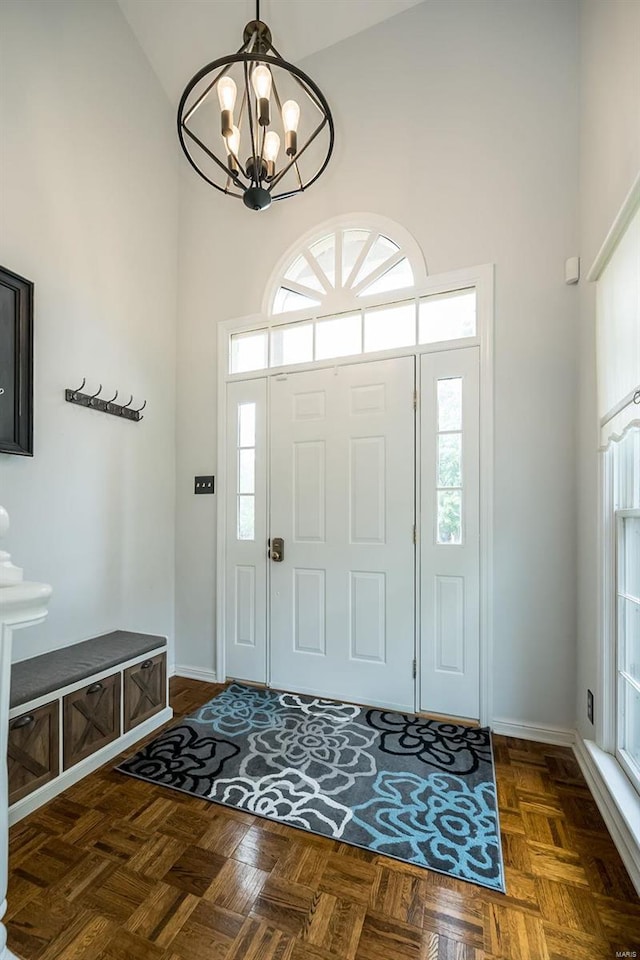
204 485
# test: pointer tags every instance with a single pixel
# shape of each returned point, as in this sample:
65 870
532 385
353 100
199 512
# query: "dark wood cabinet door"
145 690
91 719
33 750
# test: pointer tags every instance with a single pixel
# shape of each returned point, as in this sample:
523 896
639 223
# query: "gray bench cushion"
34 678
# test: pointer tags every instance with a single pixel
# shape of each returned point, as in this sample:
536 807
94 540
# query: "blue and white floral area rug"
403 786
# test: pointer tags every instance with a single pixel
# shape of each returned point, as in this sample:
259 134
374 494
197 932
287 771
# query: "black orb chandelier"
237 112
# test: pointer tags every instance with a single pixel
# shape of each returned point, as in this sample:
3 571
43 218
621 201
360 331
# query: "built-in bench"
75 708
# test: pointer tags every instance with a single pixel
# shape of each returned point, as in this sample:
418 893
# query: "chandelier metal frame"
255 181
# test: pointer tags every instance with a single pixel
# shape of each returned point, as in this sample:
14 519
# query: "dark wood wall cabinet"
33 750
16 364
145 687
91 719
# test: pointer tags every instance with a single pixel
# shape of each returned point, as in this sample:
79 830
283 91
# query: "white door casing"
480 278
450 549
246 530
342 498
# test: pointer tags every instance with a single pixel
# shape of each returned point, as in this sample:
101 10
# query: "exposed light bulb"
290 120
232 146
271 148
261 80
290 116
227 92
232 143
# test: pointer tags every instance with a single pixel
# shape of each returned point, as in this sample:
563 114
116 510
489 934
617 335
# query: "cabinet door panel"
145 690
32 750
91 719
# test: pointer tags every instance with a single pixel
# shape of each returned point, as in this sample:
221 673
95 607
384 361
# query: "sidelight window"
246 472
449 461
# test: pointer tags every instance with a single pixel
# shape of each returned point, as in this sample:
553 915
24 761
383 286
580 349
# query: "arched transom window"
354 261
354 287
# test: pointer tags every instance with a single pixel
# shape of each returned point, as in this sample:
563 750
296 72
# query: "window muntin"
380 252
246 472
353 242
288 301
301 272
397 277
324 253
449 469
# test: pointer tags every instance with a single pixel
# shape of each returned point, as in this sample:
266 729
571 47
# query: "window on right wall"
627 613
618 357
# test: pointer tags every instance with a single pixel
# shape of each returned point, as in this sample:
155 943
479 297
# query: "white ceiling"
180 36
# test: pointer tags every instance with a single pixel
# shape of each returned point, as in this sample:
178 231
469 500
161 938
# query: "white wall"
89 212
609 163
477 156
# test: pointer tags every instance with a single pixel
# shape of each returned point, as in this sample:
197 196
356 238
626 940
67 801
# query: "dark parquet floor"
118 869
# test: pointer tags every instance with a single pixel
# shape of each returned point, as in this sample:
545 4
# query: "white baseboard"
621 813
541 732
194 673
68 777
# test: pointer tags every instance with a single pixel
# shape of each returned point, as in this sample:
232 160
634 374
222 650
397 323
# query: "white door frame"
482 278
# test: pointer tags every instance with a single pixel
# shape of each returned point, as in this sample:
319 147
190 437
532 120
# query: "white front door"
342 500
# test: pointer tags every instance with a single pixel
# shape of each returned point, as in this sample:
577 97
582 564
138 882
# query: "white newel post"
22 604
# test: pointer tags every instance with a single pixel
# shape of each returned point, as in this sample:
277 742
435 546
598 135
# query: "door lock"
277 549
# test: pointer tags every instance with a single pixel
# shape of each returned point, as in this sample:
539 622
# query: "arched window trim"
338 299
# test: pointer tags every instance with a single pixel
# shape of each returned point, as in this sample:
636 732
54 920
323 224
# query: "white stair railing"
22 604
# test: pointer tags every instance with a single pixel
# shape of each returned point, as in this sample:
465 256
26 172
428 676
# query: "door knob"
277 549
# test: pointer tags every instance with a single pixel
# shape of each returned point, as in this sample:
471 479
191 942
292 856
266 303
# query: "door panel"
246 531
449 535
342 498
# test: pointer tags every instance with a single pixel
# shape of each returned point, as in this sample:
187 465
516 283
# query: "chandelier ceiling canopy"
255 126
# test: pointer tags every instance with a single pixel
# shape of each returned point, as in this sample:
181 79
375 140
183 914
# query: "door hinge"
415 534
414 669
415 399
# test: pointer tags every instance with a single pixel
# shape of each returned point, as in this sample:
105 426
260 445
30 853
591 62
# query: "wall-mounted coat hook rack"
96 402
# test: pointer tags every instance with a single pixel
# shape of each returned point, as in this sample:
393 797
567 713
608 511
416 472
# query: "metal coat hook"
96 402
94 396
78 389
